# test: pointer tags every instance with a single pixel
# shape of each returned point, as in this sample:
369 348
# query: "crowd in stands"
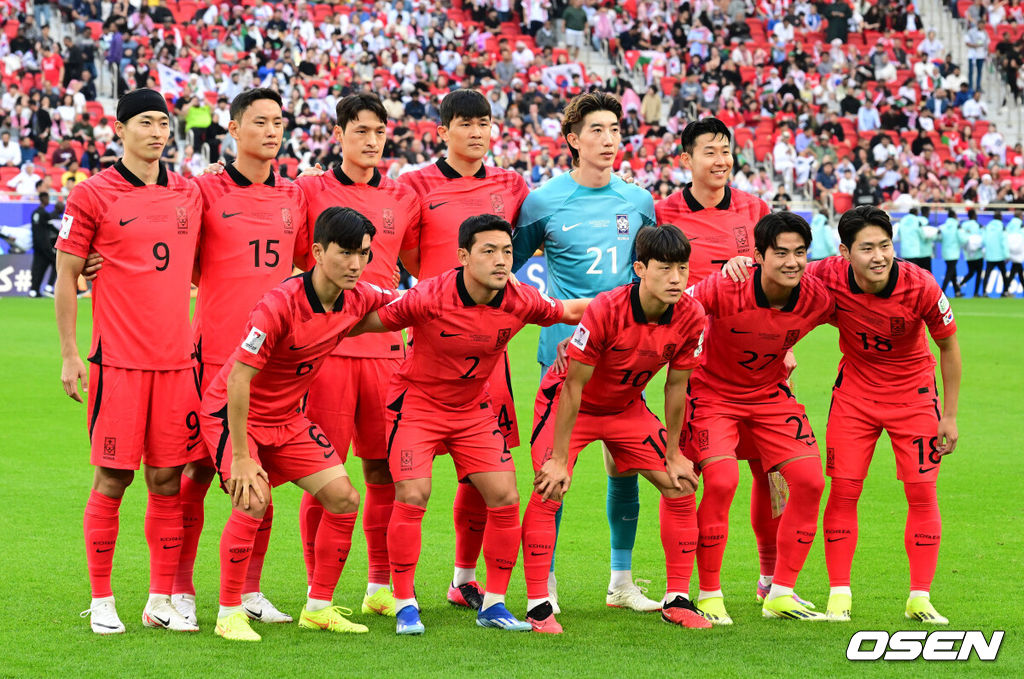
843 103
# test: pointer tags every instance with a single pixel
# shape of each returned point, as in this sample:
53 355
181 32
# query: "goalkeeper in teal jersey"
586 221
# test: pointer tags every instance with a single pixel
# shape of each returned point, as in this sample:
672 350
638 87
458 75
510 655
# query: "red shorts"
286 452
347 399
635 438
854 426
143 416
772 431
499 387
204 374
419 429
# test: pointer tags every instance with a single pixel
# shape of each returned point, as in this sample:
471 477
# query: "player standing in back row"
348 397
451 190
144 222
587 220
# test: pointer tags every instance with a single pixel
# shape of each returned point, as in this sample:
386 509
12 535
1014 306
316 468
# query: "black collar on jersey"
885 292
762 299
467 300
450 172
242 180
340 175
695 206
161 177
314 301
638 309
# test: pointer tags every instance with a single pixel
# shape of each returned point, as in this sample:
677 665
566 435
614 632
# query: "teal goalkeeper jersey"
587 235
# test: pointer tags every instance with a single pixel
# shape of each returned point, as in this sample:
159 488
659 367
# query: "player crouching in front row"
627 334
254 426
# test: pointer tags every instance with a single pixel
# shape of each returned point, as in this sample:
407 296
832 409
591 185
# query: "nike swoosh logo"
506 458
570 228
229 215
328 454
740 332
402 570
108 549
165 623
172 546
434 206
924 470
805 542
100 624
835 539
295 348
687 551
475 530
532 553
234 560
713 544
449 334
622 349
125 222
925 544
256 614
842 308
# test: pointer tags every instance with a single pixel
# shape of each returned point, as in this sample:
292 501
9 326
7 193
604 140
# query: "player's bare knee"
503 497
339 497
200 473
112 482
377 472
412 494
163 480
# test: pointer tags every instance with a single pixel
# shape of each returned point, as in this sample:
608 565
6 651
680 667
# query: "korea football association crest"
181 213
742 243
286 220
792 336
503 336
622 225
387 219
897 326
497 204
668 352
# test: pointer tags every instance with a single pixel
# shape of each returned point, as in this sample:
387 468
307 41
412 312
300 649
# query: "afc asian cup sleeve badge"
580 337
286 219
622 224
388 221
498 204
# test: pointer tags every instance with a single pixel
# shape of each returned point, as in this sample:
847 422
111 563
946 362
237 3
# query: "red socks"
405 532
377 504
678 518
164 536
766 526
333 543
192 518
720 480
923 533
799 522
470 514
501 546
259 552
236 544
840 527
100 525
538 544
310 511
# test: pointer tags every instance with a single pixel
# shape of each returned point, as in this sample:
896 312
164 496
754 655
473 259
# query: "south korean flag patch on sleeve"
580 337
254 341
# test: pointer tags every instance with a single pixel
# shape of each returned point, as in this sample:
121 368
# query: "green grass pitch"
45 476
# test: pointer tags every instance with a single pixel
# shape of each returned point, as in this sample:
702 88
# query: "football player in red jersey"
347 399
144 221
257 433
740 392
626 336
454 188
439 401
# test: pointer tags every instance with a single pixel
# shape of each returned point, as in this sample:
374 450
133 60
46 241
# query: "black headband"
140 101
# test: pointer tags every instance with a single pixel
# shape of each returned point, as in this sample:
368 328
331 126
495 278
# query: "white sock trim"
463 576
715 593
840 590
314 605
620 579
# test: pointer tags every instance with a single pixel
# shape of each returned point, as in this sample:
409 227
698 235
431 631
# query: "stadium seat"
841 202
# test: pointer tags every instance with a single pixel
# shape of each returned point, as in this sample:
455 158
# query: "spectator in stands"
40 123
25 182
73 174
63 155
974 108
931 47
10 154
847 183
867 117
650 107
884 150
28 150
838 14
90 160
198 118
977 42
575 24
545 36
784 157
993 144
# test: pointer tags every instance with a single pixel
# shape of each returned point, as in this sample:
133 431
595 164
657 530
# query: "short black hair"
580 107
243 100
344 226
709 125
665 243
972 213
772 225
926 211
478 224
466 104
859 217
350 107
951 213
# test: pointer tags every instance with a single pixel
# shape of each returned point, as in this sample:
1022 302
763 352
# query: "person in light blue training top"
950 231
586 221
974 250
1015 249
823 239
994 236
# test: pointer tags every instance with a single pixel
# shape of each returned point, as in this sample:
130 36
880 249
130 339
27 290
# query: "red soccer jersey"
288 336
717 234
252 233
458 342
626 349
447 199
747 339
886 356
147 237
394 210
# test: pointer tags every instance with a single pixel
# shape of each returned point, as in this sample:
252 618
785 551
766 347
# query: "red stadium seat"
841 202
11 28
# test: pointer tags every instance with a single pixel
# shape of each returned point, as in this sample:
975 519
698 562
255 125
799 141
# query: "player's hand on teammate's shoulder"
551 481
738 268
72 370
243 483
561 363
93 264
213 168
947 435
314 171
